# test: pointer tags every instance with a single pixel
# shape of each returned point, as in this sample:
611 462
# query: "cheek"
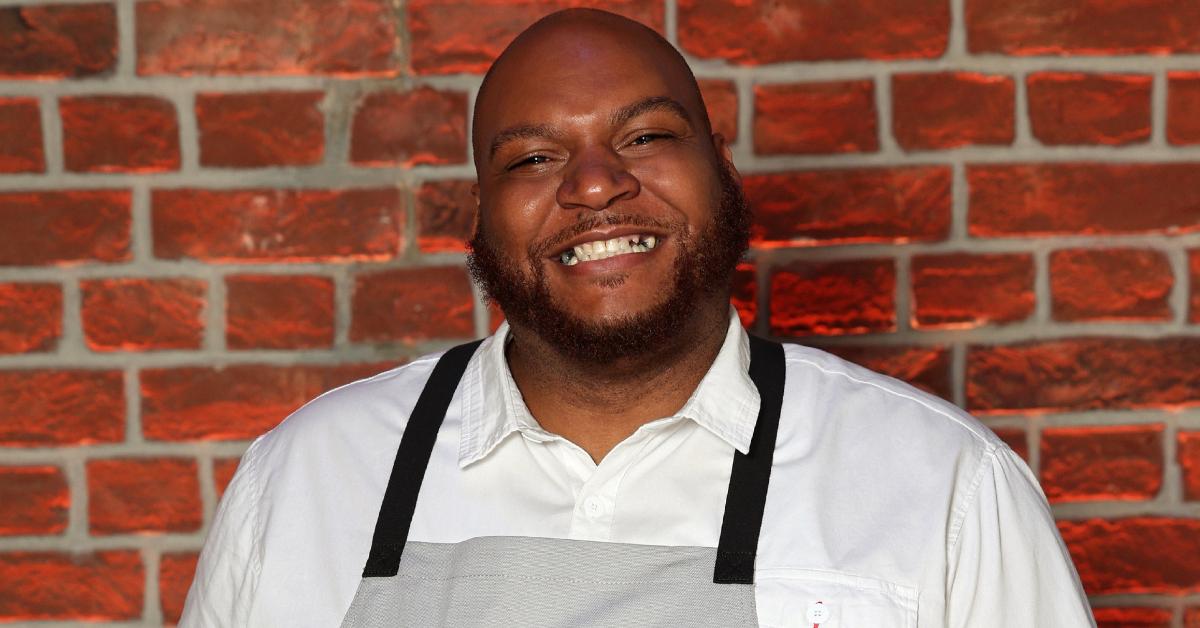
689 187
516 214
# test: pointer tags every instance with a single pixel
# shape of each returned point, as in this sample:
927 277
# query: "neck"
597 406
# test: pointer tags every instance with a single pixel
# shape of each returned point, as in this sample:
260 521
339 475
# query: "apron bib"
544 582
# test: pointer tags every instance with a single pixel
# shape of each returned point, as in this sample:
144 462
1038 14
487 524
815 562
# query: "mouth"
596 250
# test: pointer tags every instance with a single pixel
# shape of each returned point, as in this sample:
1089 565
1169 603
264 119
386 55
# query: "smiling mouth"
604 249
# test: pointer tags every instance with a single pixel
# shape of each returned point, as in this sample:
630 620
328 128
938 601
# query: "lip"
606 234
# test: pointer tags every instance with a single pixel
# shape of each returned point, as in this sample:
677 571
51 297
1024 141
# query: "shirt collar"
725 402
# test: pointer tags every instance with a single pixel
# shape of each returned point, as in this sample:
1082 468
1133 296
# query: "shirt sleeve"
1008 565
227 573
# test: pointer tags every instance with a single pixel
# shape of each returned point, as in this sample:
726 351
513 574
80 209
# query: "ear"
721 146
475 195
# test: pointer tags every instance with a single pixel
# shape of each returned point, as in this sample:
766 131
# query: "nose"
596 181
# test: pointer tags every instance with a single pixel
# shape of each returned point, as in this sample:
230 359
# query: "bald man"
621 452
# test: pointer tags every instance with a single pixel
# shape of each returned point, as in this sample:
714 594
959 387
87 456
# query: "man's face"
606 210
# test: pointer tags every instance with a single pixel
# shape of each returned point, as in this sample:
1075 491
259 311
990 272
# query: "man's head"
590 129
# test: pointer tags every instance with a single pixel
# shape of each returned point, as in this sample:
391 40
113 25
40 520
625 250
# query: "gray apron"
528 581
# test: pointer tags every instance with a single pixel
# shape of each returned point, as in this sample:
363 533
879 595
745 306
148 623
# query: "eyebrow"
521 132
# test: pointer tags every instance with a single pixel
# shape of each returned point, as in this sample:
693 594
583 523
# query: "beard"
703 267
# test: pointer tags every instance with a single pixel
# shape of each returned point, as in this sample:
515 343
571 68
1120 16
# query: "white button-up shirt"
887 507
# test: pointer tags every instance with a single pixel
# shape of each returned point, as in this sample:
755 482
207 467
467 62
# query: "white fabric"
887 507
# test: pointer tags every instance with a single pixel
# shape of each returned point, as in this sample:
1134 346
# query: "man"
620 452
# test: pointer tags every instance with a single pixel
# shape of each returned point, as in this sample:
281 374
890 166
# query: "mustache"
541 249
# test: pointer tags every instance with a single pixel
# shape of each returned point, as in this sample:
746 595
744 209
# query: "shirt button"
594 506
818 612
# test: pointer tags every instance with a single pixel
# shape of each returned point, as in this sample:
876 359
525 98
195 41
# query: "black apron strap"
752 471
408 470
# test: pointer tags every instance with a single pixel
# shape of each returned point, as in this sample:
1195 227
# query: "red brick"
57 40
1122 462
961 290
832 117
141 314
1188 455
223 470
175 572
235 402
452 36
277 225
285 37
1132 617
260 129
119 134
61 407
88 587
927 368
1071 27
745 294
1135 555
1016 440
833 298
1083 198
952 109
20 134
720 98
64 227
35 500
844 206
30 316
445 216
1078 108
1194 263
1191 617
764 31
1083 374
413 304
424 126
1110 284
278 312
143 495
1183 108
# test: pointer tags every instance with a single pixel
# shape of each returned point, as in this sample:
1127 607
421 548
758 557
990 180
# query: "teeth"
604 249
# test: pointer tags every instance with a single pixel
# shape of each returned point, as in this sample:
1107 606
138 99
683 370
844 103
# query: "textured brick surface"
831 117
46 407
424 126
270 225
343 38
1016 440
1083 374
1110 284
1194 268
57 40
450 36
175 571
236 402
143 495
1188 455
119 134
833 298
763 31
1082 198
445 215
1132 617
413 304
141 314
62 227
951 109
53 585
1078 108
21 135
1102 463
248 130
927 368
961 290
857 205
1135 555
278 312
30 316
1069 27
35 500
720 98
223 470
1183 108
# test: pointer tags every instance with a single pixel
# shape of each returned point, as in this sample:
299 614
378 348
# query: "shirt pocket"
788 598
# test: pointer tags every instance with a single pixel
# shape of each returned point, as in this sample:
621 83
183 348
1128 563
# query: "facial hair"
703 266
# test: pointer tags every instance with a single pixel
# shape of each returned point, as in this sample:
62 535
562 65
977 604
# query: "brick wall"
212 210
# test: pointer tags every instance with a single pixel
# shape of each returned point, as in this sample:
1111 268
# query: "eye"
532 160
647 138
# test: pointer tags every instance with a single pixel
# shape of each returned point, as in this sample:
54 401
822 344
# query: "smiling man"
621 452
